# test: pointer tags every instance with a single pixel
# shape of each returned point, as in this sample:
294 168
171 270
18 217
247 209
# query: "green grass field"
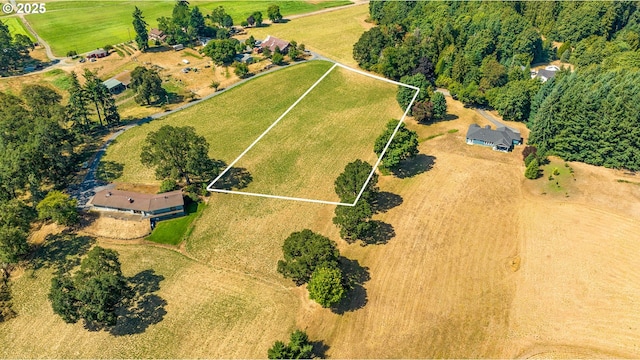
173 231
335 124
87 25
16 26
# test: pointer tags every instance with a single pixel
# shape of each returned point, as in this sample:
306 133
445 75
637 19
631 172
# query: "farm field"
330 34
230 122
481 265
335 124
97 23
16 26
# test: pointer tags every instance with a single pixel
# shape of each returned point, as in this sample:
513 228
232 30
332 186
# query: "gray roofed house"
244 58
501 139
148 205
544 74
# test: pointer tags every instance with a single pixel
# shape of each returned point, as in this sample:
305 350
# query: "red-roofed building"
272 43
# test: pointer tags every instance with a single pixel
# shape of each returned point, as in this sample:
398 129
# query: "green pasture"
16 26
87 25
173 231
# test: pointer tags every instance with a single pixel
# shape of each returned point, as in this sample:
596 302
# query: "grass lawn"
173 231
87 25
331 34
335 124
230 121
16 26
558 177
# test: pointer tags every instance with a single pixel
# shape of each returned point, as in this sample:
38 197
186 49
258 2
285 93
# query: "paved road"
495 121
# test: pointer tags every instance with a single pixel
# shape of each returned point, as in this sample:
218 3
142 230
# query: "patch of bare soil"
115 226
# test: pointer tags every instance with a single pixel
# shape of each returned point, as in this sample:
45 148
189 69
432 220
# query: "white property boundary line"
210 186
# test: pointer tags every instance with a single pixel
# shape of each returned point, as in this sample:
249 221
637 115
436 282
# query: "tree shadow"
144 308
386 201
449 117
354 277
320 349
417 165
381 234
109 170
61 251
235 178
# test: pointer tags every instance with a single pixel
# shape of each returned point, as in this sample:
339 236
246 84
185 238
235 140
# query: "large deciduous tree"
403 146
354 221
221 51
59 207
273 13
94 292
325 286
147 85
178 153
351 181
304 251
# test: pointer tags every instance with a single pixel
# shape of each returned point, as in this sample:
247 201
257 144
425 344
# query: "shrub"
529 159
533 169
167 185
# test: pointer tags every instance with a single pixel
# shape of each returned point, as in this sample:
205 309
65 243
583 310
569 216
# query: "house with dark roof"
98 53
501 139
272 42
153 206
158 35
243 58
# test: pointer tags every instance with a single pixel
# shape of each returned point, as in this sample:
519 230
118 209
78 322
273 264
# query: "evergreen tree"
533 169
77 108
140 27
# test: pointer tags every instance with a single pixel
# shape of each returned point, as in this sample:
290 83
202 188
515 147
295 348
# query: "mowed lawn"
86 25
16 26
335 124
331 34
230 121
173 231
198 311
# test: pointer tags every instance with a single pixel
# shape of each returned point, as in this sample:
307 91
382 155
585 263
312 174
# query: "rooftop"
272 42
112 83
124 77
501 136
128 200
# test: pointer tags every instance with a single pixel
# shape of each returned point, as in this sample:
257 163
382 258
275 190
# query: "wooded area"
482 52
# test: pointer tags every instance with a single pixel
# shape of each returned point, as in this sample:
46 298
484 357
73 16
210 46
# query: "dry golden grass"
335 124
330 34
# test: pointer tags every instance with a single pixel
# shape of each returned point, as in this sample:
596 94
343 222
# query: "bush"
108 48
244 23
325 286
167 185
529 159
277 58
72 53
533 170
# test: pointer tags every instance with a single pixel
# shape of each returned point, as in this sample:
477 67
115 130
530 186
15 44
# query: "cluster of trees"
186 24
482 52
148 86
83 100
355 222
93 293
14 50
312 259
299 347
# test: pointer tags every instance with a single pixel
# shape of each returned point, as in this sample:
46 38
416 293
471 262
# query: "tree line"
482 52
14 50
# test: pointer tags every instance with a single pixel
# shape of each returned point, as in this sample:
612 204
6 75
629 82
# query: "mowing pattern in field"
230 121
16 26
335 124
87 25
199 311
331 34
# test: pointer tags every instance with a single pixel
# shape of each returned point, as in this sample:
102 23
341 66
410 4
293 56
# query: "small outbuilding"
502 139
114 86
178 47
244 58
153 206
124 77
98 53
